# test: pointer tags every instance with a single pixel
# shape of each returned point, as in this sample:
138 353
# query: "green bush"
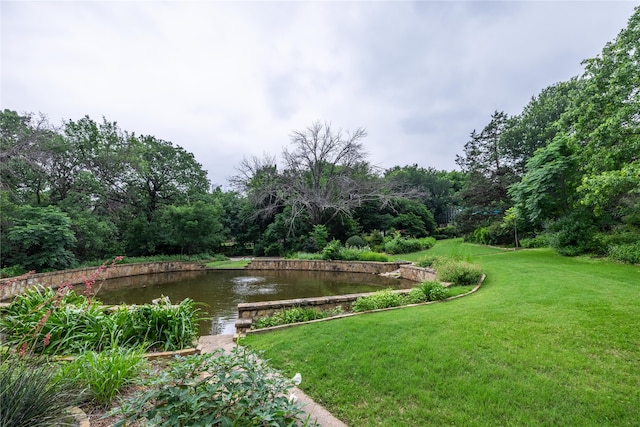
448 232
428 261
572 235
293 315
31 394
415 296
627 253
459 273
367 255
216 389
332 250
356 241
381 299
433 290
350 253
401 245
427 242
103 375
539 241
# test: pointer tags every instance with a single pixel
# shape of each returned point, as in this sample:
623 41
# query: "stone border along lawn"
341 316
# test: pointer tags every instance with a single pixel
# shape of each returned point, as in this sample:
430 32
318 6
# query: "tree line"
565 172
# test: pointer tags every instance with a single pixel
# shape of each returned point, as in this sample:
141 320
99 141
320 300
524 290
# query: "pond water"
222 290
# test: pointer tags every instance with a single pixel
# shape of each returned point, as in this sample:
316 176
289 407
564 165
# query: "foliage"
236 388
377 300
573 234
400 245
293 315
428 261
433 290
103 375
160 326
542 240
494 234
628 253
30 393
367 255
332 250
41 238
458 273
47 321
356 241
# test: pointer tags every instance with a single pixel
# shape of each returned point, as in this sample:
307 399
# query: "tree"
163 174
325 177
191 229
40 238
484 197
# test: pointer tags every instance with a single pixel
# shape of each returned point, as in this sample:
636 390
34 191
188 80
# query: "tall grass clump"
103 375
31 394
47 321
401 245
377 300
160 326
458 273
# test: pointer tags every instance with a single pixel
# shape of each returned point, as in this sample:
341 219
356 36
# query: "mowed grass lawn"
547 340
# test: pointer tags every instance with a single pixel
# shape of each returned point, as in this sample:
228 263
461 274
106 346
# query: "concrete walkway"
210 343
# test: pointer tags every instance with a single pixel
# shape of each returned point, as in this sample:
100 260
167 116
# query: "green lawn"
228 264
547 340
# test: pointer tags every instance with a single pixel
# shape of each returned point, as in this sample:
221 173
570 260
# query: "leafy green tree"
547 190
41 238
191 229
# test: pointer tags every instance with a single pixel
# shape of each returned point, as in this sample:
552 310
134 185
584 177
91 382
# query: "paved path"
209 343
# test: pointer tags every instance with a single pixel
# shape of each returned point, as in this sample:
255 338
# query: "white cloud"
232 79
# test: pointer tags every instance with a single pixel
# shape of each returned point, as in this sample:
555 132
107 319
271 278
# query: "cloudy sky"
227 80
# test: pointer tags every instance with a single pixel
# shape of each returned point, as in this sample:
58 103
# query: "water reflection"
222 290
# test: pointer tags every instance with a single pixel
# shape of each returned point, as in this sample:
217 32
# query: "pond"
222 290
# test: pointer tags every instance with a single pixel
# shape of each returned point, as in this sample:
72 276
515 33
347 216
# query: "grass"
547 340
229 264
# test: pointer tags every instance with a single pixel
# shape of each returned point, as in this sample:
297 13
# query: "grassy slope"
546 341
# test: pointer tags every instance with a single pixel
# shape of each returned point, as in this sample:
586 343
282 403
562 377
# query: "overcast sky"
227 80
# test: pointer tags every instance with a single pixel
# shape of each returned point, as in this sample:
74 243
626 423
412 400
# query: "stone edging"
341 316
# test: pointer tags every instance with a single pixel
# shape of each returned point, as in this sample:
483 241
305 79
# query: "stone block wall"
322 265
248 311
11 286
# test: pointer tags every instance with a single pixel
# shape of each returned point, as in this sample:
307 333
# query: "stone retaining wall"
322 265
248 311
10 287
417 274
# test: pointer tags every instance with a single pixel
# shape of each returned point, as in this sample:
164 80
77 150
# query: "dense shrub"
433 290
332 250
448 232
428 261
350 253
356 241
381 299
401 245
628 253
215 389
572 235
495 234
459 273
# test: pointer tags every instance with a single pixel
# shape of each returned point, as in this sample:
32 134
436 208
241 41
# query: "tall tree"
324 176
